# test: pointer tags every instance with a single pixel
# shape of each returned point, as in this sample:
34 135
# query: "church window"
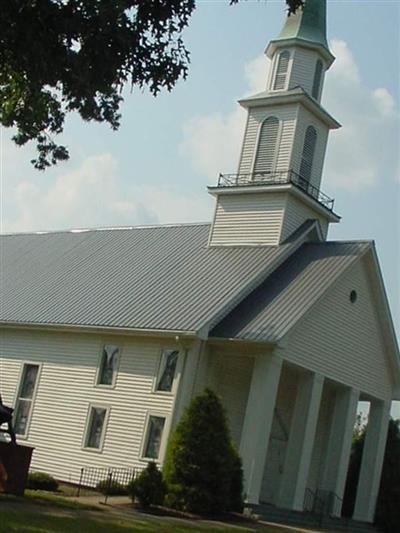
154 432
307 157
267 145
108 365
353 296
317 78
26 396
281 71
167 369
96 425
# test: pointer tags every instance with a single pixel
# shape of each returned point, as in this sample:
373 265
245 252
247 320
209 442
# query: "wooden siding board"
343 341
248 219
297 212
65 390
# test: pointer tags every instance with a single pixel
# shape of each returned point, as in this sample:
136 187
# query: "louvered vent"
308 153
281 71
317 79
266 148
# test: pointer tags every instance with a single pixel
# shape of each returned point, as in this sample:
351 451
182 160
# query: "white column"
372 460
258 422
339 444
301 442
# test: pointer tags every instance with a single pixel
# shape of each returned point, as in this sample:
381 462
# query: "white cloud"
212 142
90 195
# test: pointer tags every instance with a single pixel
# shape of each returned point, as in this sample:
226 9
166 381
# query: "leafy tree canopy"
58 56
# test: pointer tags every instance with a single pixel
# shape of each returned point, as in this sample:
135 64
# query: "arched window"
266 149
317 79
307 157
281 71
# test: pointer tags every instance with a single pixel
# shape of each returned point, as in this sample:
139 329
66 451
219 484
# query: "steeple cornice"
293 96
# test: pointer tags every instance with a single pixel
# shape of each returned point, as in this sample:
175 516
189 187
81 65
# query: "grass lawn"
38 513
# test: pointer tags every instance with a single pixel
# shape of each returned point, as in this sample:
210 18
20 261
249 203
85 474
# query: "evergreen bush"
202 470
148 488
41 481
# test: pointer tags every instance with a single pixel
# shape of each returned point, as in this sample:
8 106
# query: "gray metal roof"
162 278
276 305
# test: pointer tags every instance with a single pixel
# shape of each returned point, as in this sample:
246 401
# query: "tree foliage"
388 505
202 470
61 56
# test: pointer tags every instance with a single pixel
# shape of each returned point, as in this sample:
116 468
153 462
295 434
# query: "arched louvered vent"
307 157
281 71
266 149
317 79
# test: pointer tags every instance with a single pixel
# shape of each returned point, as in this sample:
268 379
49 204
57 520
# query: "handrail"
276 178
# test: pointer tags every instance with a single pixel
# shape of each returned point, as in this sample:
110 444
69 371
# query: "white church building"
107 334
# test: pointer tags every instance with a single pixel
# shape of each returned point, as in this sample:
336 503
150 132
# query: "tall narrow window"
108 365
307 157
267 144
26 394
95 427
167 369
317 79
281 71
154 432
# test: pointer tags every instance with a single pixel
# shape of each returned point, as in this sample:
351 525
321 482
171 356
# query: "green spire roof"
308 24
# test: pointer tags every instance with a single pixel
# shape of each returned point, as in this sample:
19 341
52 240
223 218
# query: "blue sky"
157 166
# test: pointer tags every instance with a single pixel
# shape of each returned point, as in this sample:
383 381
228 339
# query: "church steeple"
277 185
307 26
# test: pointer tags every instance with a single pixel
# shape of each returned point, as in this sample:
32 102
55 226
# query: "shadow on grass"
48 522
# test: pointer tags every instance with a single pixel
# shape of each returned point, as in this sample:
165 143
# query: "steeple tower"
277 185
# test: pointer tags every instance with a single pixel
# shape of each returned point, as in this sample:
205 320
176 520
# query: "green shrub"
41 481
202 470
111 489
148 488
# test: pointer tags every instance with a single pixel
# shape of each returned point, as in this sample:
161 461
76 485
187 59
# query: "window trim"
91 406
164 437
278 142
178 370
275 70
18 390
99 362
314 85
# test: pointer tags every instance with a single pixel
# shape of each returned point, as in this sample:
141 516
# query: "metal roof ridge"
105 228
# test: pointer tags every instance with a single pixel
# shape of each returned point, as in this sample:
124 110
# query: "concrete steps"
269 513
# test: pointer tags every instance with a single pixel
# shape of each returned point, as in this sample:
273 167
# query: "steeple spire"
306 27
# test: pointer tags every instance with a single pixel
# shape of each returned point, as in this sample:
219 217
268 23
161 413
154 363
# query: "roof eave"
297 41
296 96
111 330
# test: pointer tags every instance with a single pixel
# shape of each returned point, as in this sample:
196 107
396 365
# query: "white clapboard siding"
297 212
230 377
303 69
306 119
343 341
66 388
287 116
248 219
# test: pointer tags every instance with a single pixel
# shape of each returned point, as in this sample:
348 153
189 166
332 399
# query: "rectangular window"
155 427
26 395
96 426
108 365
166 372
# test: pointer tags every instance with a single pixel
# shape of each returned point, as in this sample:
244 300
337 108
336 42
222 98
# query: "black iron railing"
104 479
286 177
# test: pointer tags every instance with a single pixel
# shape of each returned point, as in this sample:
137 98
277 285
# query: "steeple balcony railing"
287 177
